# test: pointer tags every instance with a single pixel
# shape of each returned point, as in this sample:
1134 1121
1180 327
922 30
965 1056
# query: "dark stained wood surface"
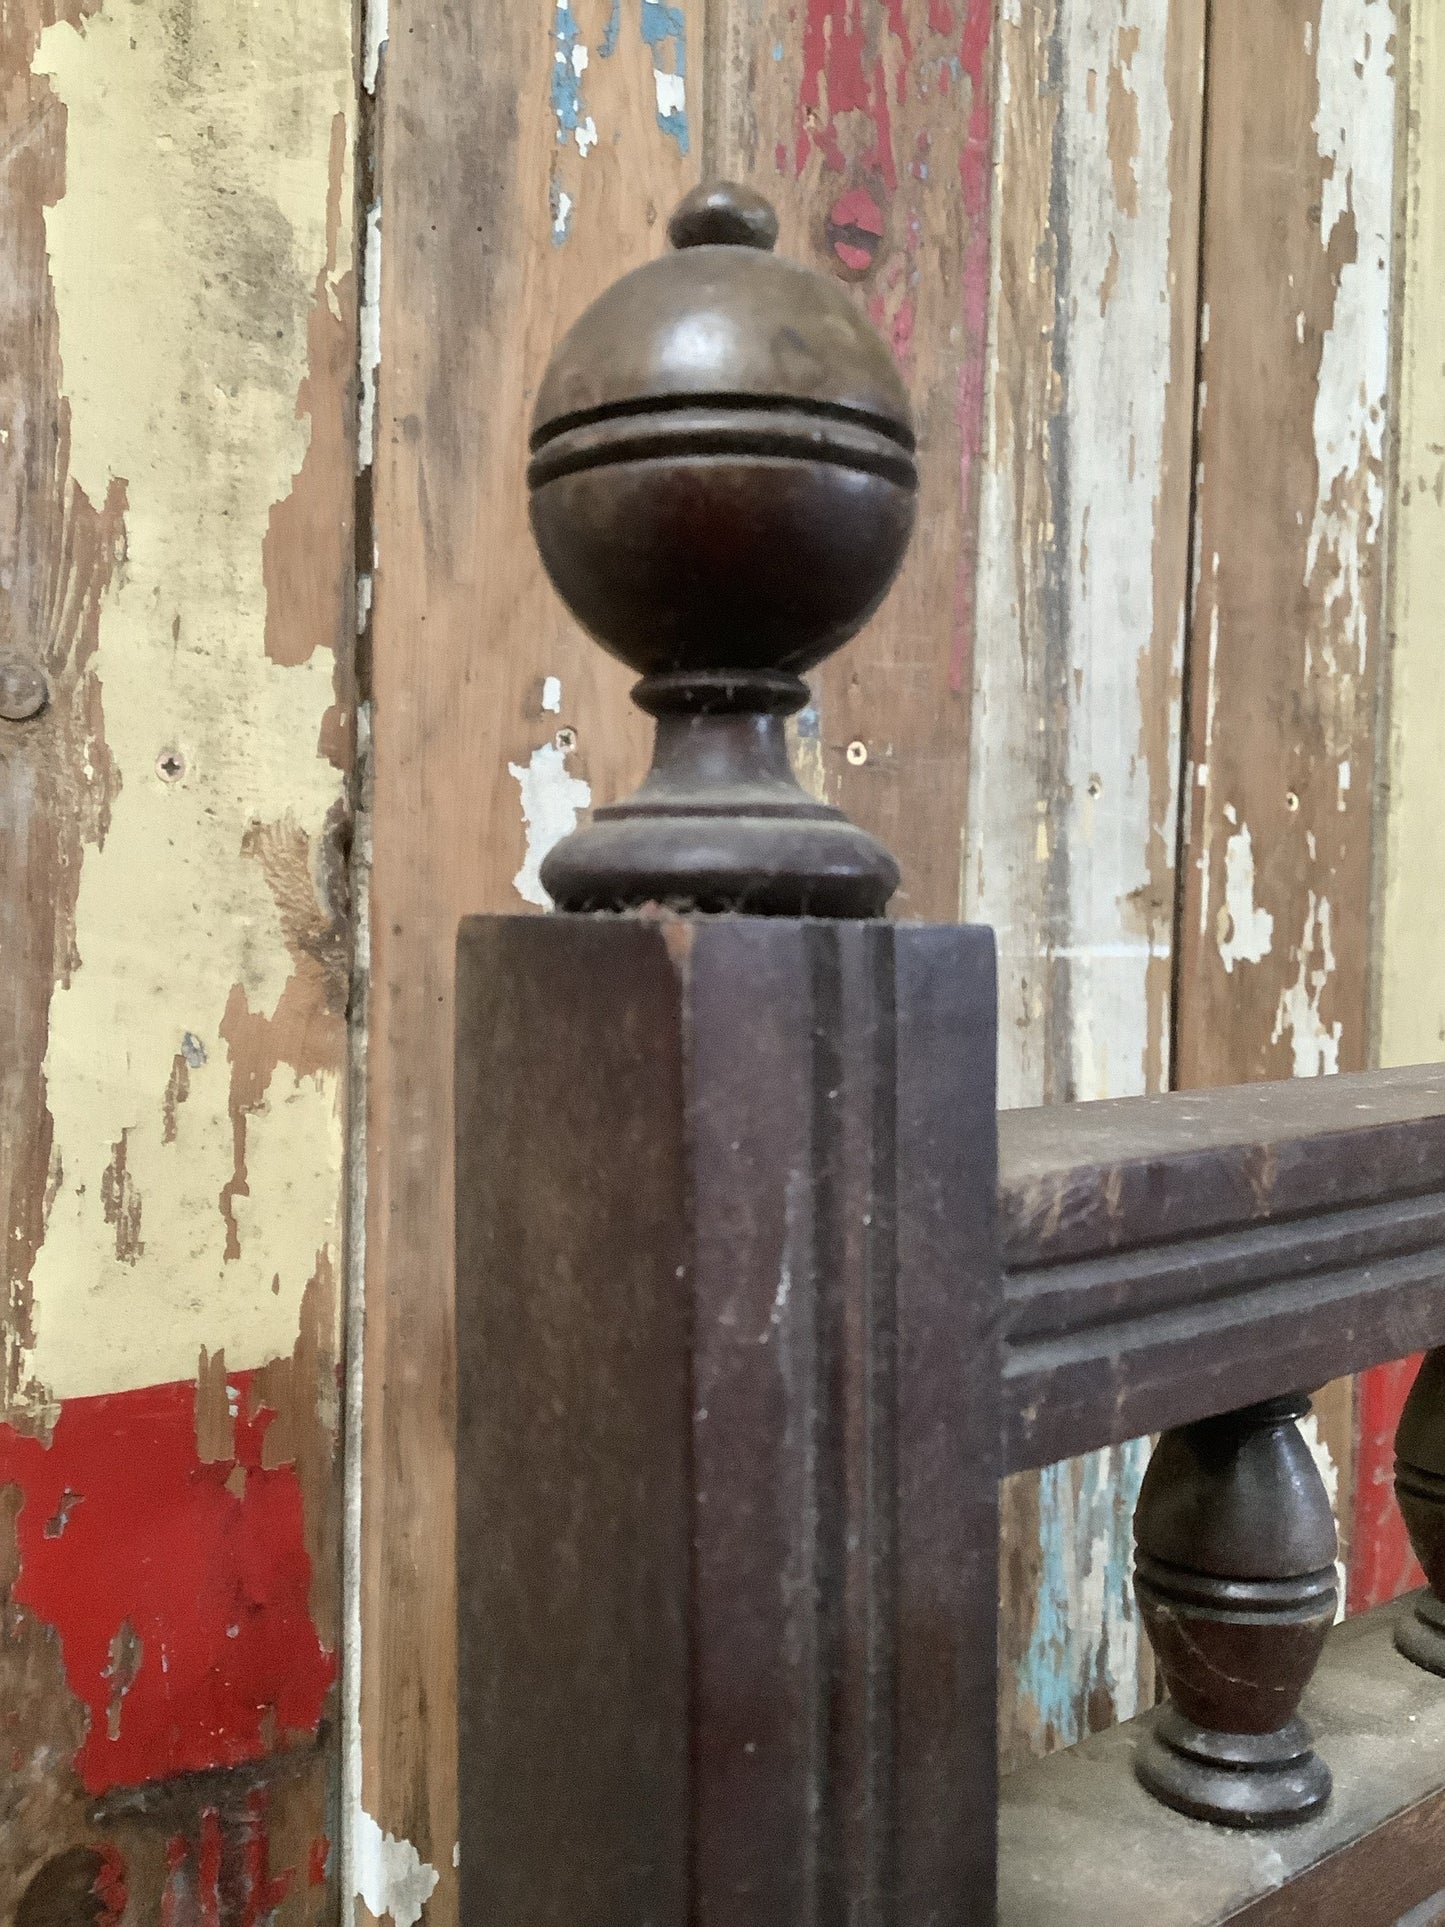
1170 1257
727 1423
1082 1844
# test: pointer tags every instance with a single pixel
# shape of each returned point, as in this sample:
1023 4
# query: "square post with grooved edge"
727 1422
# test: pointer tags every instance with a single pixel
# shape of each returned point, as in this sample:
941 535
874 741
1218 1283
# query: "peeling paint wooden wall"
1288 630
1087 618
177 346
1409 959
1076 707
1154 524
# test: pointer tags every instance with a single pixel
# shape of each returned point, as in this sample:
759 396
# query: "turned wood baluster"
1235 1578
1420 1489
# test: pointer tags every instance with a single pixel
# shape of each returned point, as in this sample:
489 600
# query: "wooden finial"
1235 1579
722 489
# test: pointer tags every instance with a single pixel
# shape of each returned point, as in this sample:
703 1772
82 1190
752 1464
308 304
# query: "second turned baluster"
1235 1579
1420 1489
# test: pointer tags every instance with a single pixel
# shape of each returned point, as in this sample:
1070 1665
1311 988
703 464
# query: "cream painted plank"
1083 583
1411 955
202 917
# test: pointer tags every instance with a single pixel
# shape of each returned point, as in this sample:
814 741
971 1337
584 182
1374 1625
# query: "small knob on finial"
723 214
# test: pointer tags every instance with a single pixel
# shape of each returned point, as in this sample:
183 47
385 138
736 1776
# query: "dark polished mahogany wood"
1171 1257
1083 1845
723 486
1235 1577
1420 1489
727 1448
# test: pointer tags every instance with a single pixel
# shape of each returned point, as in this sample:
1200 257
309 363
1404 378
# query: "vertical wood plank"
1409 978
1084 567
177 344
870 126
1288 631
526 157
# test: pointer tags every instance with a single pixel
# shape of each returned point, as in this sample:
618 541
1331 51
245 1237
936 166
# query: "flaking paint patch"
1329 1472
370 330
376 28
551 798
391 1877
662 37
180 1597
1246 930
570 60
1356 74
219 174
664 30
1086 1517
1314 1042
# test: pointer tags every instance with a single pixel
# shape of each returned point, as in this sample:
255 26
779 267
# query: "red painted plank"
178 1587
1382 1566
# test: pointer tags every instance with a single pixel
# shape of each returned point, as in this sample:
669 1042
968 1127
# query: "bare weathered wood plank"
526 159
1082 1842
871 128
1083 585
1288 630
1288 633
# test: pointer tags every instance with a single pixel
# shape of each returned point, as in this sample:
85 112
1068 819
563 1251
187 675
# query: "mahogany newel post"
1420 1490
728 1293
1236 1584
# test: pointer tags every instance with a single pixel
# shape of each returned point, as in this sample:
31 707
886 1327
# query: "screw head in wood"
24 690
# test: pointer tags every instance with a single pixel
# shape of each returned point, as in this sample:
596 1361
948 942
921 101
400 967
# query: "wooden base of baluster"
1420 1490
1420 1633
1234 1779
1236 1586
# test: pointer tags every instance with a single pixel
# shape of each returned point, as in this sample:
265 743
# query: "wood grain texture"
177 329
1082 1842
1166 1256
728 1563
1288 629
870 126
1083 587
525 159
1409 978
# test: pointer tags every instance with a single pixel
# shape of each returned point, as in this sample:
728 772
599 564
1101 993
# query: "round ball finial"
723 486
722 214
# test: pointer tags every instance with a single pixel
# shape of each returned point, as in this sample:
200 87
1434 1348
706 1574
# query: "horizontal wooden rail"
1166 1258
